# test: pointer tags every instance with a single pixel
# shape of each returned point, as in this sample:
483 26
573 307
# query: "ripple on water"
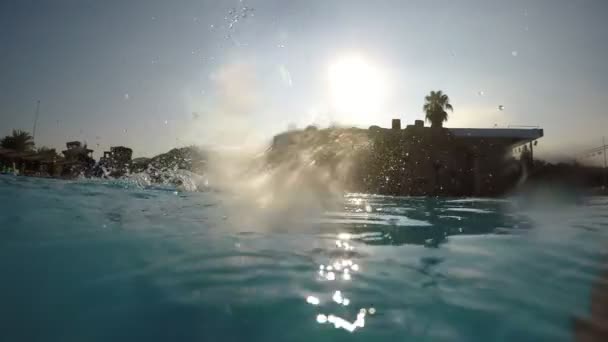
431 268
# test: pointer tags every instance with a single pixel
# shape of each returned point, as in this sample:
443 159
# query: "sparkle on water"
124 261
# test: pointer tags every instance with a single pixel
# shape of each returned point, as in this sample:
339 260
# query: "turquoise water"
94 261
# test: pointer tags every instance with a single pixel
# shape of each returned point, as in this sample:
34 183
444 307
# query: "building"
116 162
421 160
78 160
77 152
416 160
30 163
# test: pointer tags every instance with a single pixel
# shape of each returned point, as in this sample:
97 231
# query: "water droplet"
127 96
372 311
514 53
321 319
212 26
153 18
481 93
501 107
166 122
285 75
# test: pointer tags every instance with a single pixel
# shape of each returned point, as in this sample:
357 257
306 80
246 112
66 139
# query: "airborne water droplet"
501 107
514 53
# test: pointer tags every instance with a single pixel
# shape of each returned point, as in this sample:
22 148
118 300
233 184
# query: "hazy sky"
154 74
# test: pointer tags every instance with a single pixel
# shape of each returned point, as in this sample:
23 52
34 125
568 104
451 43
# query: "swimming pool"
110 261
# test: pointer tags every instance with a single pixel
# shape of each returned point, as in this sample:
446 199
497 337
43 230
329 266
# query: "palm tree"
435 106
19 141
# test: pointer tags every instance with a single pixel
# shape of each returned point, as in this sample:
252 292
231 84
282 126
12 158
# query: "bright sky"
154 74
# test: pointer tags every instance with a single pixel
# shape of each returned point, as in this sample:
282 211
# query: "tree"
20 141
47 152
435 106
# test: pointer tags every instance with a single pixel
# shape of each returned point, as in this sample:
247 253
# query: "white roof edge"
513 133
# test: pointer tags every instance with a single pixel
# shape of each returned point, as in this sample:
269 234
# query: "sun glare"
357 87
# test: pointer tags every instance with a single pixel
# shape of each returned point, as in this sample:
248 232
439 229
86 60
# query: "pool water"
110 261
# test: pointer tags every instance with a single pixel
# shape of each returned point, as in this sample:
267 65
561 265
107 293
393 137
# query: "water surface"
109 261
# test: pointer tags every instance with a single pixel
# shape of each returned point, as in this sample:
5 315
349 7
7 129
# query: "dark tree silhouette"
47 152
20 141
435 106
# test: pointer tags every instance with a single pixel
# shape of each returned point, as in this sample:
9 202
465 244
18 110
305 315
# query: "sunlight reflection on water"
344 265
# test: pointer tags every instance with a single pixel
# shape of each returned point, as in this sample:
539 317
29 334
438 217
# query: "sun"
357 87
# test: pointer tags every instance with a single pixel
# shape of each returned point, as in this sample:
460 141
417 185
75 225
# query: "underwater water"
107 261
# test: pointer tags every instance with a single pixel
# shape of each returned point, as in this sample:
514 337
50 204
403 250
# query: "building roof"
118 148
519 134
40 158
